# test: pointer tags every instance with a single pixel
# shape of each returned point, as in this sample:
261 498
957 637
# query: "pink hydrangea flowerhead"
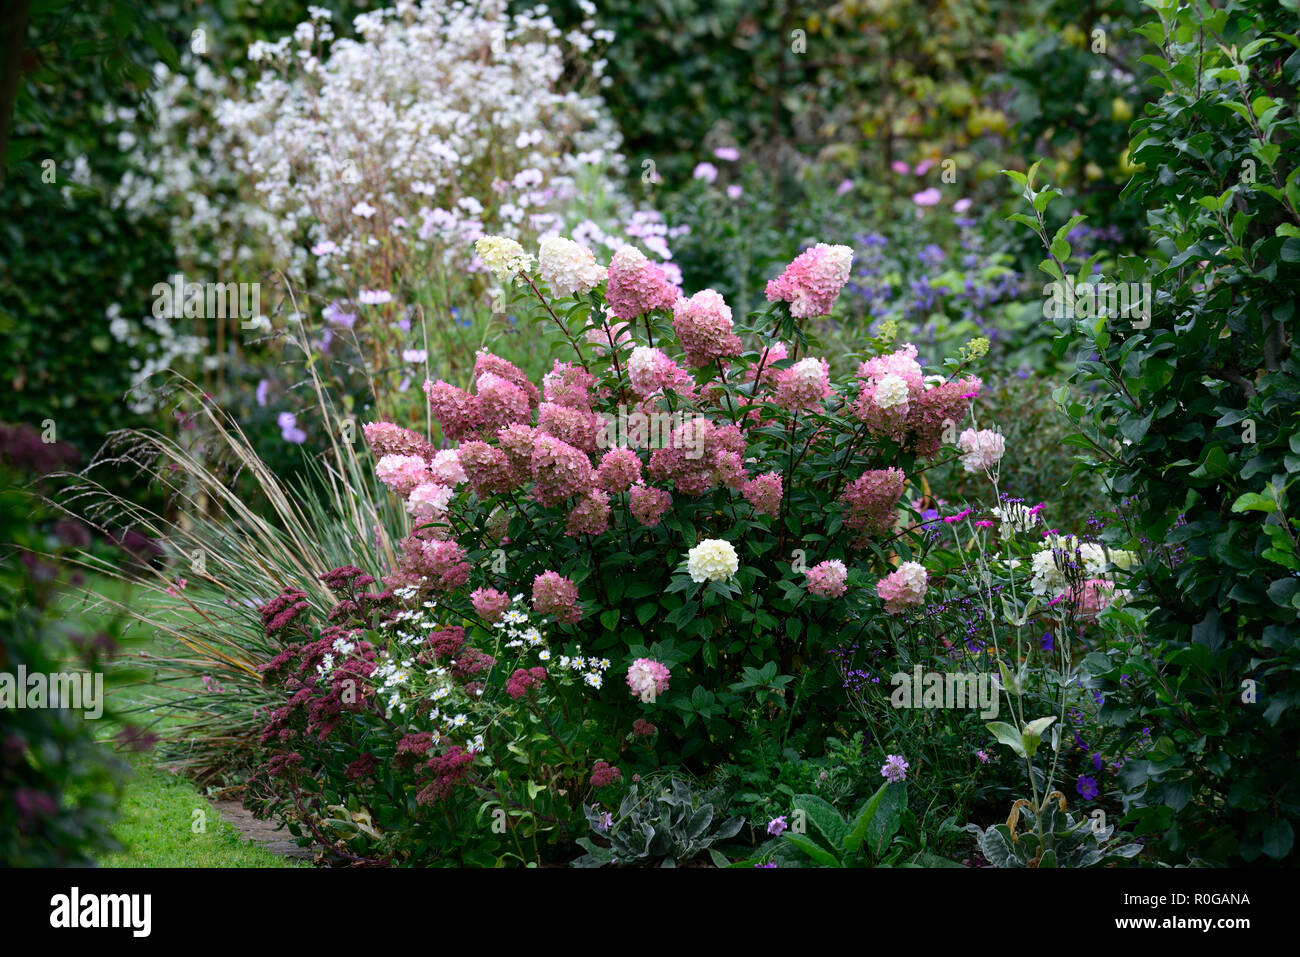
981 450
812 282
578 427
937 410
590 516
428 501
517 443
487 362
870 503
487 469
619 470
901 362
614 336
402 473
445 565
1093 597
828 579
569 385
446 468
804 385
500 402
650 370
489 603
648 679
648 504
559 470
636 285
703 326
903 588
385 438
553 594
455 409
764 493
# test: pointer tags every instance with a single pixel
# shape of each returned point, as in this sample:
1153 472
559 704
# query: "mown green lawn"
159 827
158 824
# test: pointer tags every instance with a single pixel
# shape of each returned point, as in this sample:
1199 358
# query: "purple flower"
1087 788
263 391
894 769
1047 642
289 430
706 171
728 153
777 825
334 313
605 823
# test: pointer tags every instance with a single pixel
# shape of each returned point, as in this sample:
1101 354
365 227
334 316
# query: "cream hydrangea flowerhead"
891 391
569 268
712 560
504 257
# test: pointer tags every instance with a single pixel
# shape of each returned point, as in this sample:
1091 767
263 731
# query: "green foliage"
833 840
1195 417
673 825
1052 838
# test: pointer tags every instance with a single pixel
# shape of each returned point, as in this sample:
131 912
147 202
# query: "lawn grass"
157 828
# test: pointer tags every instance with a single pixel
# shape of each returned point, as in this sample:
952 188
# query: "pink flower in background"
904 587
899 167
489 603
553 594
648 504
604 773
734 191
1093 597
828 579
289 430
962 205
600 338
804 385
402 473
982 450
846 186
648 679
728 153
706 171
923 167
177 587
703 326
636 285
324 248
901 362
813 280
764 493
927 197
374 297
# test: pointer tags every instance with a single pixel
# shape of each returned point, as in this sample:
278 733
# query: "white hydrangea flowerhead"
981 450
568 267
503 256
713 559
891 391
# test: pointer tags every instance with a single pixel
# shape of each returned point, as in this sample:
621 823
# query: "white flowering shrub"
363 167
